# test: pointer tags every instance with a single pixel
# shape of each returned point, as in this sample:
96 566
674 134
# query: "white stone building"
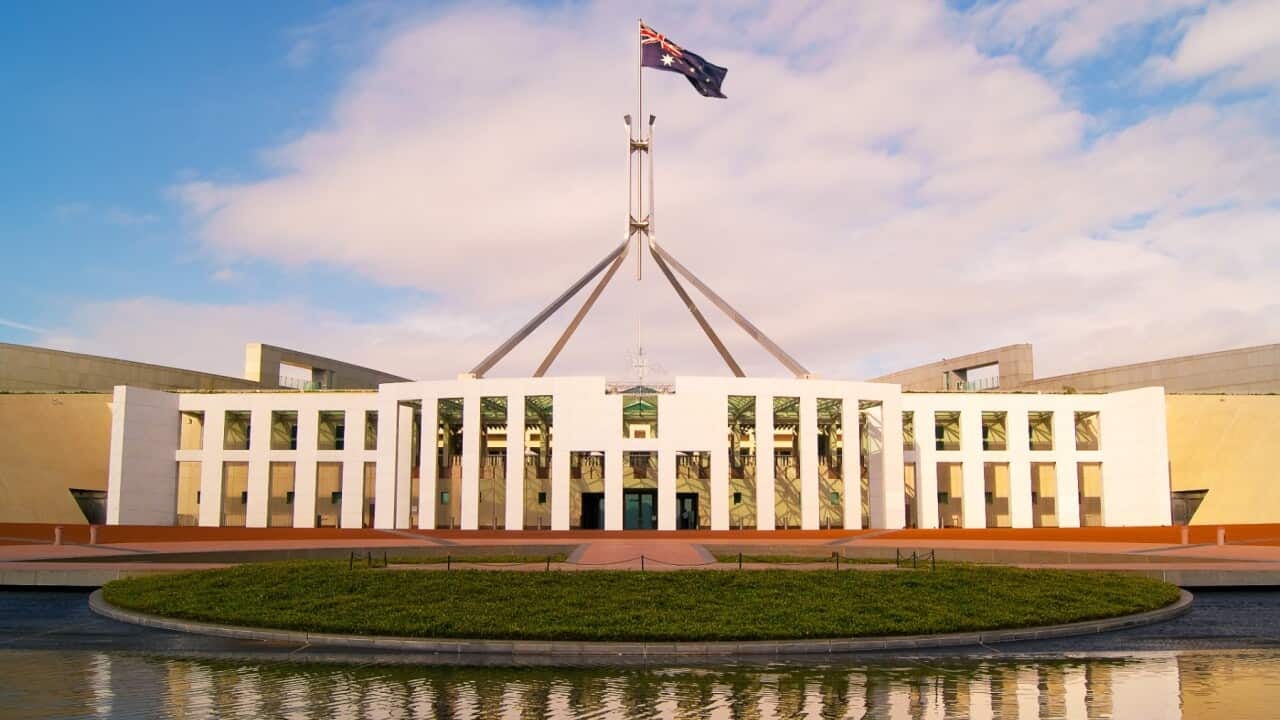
701 453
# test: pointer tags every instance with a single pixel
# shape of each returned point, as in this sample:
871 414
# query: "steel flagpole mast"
640 137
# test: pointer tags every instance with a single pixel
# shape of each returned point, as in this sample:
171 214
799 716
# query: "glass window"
1040 429
946 430
1088 431
331 429
235 430
640 416
284 430
371 430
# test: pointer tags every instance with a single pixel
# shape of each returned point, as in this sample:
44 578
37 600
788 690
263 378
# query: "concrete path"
31 557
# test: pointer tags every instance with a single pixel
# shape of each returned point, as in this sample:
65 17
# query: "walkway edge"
644 649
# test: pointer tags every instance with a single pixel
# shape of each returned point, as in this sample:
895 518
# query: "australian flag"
656 51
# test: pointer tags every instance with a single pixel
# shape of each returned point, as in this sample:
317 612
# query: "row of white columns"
1018 456
394 467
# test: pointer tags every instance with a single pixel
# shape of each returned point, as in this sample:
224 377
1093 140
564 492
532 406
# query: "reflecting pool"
1192 684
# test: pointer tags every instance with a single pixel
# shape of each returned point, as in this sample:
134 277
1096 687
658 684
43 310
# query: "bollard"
1186 533
351 562
448 562
57 535
93 534
548 563
1222 536
641 563
836 555
739 561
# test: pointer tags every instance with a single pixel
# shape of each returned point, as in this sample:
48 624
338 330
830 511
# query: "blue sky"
359 178
111 104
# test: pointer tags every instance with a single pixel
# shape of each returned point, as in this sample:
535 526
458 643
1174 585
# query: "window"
331 429
371 430
542 497
284 430
946 430
1040 430
640 414
1088 431
444 497
994 436
737 498
235 431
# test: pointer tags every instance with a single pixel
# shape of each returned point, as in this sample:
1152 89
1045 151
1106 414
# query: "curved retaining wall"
643 649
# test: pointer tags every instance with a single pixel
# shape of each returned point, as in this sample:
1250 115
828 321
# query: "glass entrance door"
639 509
686 511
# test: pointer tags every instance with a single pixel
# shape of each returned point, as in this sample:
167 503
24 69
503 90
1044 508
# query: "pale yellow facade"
1227 445
51 444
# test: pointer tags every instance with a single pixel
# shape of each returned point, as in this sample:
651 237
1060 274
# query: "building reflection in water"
1150 685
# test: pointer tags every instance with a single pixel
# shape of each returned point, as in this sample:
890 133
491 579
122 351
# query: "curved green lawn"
632 606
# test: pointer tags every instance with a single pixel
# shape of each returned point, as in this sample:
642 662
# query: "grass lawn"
632 606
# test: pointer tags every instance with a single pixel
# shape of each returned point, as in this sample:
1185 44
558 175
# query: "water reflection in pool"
1229 684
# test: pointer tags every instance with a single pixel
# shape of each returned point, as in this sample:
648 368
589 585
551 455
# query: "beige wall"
1241 371
1014 360
262 367
1228 445
50 443
33 369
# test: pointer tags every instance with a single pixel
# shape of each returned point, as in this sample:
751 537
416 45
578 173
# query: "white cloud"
1065 31
1241 40
876 192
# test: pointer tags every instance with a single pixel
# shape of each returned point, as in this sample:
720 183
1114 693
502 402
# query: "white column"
559 484
973 504
1064 471
888 508
384 508
666 490
926 468
764 463
720 482
349 514
255 512
404 462
612 489
210 508
515 463
428 495
471 430
304 470
851 461
142 478
876 480
808 429
1018 439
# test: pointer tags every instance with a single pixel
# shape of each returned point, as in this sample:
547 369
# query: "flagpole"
640 135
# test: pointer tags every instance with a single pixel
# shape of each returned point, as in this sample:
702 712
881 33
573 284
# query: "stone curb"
561 648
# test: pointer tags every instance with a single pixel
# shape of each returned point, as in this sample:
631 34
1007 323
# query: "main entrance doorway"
639 509
592 511
686 511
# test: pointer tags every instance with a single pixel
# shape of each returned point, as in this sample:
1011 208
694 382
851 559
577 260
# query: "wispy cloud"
22 326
